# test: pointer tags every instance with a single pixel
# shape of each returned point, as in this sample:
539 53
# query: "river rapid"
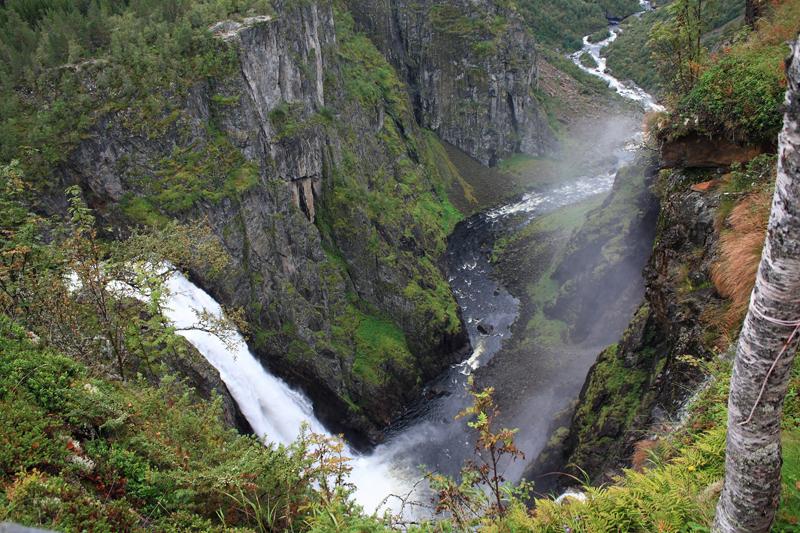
428 434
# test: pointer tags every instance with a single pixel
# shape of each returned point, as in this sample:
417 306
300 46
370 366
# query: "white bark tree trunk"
752 486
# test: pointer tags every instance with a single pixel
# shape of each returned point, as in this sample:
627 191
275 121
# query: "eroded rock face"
300 262
471 68
699 151
642 378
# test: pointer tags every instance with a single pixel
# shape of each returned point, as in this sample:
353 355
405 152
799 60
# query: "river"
429 434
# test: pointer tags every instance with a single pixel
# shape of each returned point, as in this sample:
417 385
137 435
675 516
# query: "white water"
275 411
627 89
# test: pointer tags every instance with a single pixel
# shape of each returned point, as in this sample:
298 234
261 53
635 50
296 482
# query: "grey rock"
279 271
475 90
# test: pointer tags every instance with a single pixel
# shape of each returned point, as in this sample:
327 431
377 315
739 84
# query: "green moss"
141 211
369 78
612 397
378 345
192 173
378 342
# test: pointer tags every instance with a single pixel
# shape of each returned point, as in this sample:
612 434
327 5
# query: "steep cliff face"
471 68
309 168
641 381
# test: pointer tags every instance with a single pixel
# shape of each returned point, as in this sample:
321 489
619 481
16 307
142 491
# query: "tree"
676 43
483 490
754 10
98 301
767 346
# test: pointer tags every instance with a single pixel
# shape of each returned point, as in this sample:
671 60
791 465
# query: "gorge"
372 216
428 434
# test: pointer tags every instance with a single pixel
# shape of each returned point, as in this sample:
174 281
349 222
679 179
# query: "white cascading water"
274 410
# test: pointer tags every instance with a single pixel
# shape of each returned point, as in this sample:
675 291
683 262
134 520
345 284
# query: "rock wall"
639 383
285 160
471 67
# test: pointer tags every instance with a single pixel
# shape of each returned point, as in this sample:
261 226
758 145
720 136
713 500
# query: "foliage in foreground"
81 453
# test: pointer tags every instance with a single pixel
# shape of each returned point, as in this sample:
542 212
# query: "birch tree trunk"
751 491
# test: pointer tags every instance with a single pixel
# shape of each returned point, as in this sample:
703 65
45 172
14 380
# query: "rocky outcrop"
286 160
698 151
471 68
643 379
602 263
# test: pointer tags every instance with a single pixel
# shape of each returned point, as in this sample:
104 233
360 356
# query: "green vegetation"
482 490
740 95
212 172
543 243
98 436
74 68
133 68
88 442
378 344
613 395
630 55
405 198
368 76
600 35
679 478
482 32
588 61
588 82
735 93
563 23
546 244
83 453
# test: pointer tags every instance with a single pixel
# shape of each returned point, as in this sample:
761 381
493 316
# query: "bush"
739 92
80 454
740 95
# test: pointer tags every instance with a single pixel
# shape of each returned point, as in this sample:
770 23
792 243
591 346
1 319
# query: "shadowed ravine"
533 388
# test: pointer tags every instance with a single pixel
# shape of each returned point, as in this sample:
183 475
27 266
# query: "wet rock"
485 329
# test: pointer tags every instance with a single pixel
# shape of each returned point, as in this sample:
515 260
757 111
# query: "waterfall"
274 410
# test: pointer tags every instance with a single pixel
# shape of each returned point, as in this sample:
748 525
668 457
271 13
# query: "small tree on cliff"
483 490
78 292
767 347
676 43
